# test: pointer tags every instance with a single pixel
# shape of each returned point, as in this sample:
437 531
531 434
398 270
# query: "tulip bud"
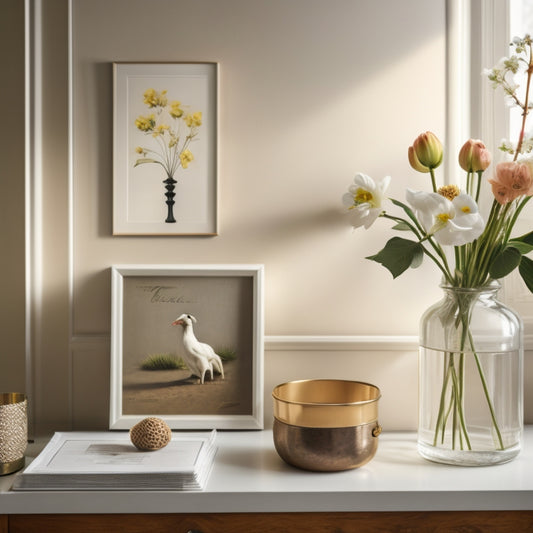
474 156
428 150
414 162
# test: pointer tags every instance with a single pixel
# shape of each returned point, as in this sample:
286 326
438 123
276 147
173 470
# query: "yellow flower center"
465 209
449 191
444 217
362 196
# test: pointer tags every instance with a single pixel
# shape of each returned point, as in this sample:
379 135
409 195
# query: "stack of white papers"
109 461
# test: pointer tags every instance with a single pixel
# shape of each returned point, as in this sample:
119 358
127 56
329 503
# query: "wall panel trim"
302 343
341 343
316 343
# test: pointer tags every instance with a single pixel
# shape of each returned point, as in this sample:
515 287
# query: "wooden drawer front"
491 522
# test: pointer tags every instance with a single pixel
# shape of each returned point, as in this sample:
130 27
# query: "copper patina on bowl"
326 425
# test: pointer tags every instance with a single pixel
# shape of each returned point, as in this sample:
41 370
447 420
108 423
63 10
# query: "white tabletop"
249 476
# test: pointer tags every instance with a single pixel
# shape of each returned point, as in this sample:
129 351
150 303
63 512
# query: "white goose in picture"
199 357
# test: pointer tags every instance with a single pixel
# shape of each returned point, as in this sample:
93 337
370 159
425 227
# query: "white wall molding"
301 343
33 199
314 343
341 343
457 82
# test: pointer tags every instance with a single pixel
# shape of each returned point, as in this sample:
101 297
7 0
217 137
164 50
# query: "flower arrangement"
450 230
449 215
172 131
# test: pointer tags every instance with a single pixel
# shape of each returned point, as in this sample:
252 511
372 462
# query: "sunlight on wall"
310 93
329 90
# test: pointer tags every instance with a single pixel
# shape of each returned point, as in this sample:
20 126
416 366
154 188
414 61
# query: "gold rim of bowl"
326 403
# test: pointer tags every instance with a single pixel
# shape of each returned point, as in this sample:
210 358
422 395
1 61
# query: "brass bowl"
326 425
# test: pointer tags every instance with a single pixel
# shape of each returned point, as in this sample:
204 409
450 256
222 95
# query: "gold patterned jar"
13 431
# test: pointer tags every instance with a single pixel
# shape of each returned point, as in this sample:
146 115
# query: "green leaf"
408 211
527 238
401 226
526 271
144 160
522 247
505 262
523 243
399 254
417 258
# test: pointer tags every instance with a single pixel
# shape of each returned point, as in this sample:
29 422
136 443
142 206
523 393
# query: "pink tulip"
414 162
474 156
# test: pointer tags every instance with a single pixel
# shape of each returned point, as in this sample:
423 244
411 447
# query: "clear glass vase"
470 379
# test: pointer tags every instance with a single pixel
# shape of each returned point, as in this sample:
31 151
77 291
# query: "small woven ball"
150 434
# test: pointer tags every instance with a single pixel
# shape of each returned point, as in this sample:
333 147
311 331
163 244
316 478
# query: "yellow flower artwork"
170 130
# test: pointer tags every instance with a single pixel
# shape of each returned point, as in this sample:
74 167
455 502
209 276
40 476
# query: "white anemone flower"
454 223
364 199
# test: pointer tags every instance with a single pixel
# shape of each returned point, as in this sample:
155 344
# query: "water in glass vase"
470 380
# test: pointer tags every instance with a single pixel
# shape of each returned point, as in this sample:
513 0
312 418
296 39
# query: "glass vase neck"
492 287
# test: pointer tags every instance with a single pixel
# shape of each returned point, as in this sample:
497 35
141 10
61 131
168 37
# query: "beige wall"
311 91
12 321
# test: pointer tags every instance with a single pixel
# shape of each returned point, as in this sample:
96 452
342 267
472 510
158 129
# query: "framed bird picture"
187 346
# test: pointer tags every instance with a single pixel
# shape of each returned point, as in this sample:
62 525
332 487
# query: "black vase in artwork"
170 183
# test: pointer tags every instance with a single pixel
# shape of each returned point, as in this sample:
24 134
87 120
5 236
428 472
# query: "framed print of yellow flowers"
167 145
165 138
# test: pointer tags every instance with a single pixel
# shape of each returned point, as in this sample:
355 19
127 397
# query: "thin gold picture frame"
141 190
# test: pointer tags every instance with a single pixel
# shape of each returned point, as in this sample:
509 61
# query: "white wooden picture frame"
227 303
